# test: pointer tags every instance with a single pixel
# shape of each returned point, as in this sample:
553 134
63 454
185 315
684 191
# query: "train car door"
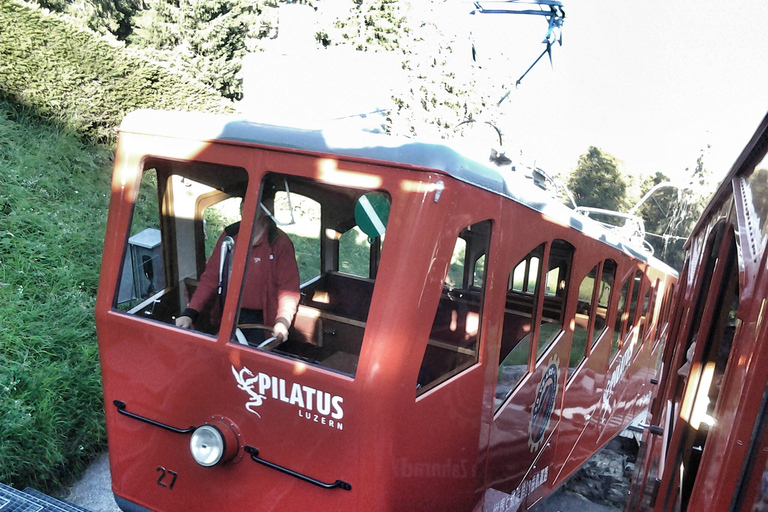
438 458
532 368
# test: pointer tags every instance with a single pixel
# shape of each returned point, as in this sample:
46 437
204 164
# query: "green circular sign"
371 214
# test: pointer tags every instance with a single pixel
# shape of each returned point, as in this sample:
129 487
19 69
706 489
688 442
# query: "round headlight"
207 445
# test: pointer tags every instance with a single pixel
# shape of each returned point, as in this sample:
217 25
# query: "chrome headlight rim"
209 450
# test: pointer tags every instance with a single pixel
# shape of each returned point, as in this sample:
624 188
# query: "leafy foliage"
369 25
205 37
83 83
656 214
204 41
597 181
429 98
52 204
102 16
670 214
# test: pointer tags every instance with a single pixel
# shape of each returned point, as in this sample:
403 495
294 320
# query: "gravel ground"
567 501
94 490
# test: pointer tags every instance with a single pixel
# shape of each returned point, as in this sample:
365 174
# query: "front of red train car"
210 404
219 415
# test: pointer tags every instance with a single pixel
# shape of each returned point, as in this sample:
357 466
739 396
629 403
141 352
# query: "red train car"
456 340
709 448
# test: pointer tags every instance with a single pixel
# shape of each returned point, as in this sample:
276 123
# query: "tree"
102 16
659 212
597 182
670 214
206 37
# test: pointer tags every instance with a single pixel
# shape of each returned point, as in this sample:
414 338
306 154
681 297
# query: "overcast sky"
651 83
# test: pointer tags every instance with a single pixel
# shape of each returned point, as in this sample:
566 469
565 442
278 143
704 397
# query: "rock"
605 478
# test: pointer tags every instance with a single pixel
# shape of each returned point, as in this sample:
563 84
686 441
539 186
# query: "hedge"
82 82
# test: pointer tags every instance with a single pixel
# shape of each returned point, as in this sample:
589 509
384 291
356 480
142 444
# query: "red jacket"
271 277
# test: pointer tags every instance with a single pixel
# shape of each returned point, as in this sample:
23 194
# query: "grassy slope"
60 86
53 201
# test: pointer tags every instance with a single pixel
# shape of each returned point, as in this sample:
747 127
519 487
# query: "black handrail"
121 409
254 452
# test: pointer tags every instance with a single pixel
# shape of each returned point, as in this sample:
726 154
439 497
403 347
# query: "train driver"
271 290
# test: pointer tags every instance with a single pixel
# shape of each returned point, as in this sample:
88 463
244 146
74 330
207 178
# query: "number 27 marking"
164 473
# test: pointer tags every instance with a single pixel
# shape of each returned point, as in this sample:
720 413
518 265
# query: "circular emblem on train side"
544 404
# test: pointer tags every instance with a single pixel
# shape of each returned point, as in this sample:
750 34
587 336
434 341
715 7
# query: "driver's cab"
336 232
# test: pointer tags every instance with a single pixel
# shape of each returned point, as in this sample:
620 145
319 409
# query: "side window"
360 247
520 307
526 273
354 253
604 298
456 269
453 339
582 320
647 315
661 326
621 319
478 276
636 287
142 274
662 313
166 247
556 291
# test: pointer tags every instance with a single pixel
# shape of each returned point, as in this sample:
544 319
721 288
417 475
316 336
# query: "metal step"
30 500
63 505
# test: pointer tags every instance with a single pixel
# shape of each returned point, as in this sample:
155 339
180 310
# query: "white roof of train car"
373 146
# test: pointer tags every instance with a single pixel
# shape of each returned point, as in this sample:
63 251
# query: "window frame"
591 317
621 316
473 250
561 294
537 253
596 336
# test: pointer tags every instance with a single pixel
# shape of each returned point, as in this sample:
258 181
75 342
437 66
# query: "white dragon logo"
246 384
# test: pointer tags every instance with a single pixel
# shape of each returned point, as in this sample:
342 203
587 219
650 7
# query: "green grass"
53 202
